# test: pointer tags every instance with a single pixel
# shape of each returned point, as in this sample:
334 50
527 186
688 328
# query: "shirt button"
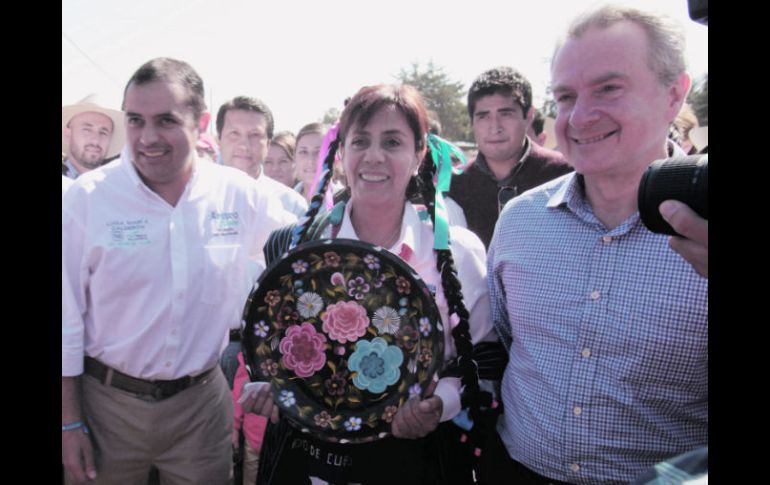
574 467
577 410
586 353
595 295
606 238
168 364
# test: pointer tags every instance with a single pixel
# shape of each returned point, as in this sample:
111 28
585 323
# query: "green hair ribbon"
442 152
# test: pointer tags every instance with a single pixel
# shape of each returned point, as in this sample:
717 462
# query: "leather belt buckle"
166 389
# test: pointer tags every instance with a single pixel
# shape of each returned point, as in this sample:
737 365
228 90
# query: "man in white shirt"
245 128
155 268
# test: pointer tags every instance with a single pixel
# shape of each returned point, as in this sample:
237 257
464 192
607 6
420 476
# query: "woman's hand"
417 417
257 398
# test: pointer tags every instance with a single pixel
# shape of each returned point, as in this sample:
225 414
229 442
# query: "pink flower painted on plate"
390 411
407 337
425 357
331 259
322 419
337 279
273 297
337 383
303 349
345 321
269 368
403 286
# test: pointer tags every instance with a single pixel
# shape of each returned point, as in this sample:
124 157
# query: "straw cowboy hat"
88 104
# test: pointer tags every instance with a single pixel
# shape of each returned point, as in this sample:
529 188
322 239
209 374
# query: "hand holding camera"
694 245
673 200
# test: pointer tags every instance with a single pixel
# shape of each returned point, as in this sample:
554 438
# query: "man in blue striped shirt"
606 325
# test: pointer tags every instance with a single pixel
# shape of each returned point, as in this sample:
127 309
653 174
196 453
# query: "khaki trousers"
250 464
187 436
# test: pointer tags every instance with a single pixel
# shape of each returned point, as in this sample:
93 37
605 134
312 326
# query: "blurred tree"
331 116
699 99
442 95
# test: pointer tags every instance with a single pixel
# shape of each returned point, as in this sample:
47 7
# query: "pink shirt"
253 424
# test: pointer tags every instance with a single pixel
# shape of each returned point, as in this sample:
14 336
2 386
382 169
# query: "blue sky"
302 57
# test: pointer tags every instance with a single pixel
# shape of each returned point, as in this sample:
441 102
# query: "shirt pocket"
223 274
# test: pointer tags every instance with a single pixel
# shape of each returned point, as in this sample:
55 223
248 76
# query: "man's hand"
694 246
416 418
77 455
259 401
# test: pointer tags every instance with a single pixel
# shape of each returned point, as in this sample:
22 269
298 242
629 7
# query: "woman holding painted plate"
386 153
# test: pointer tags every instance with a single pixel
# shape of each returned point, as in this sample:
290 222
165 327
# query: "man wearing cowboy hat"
90 134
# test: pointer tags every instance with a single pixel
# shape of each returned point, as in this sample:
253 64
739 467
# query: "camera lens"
680 178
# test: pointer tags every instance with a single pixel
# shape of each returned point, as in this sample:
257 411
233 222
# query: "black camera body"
684 179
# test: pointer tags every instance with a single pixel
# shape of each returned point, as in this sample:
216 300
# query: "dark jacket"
476 189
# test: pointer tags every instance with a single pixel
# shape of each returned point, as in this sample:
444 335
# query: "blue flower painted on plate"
299 266
372 262
377 365
353 424
287 398
403 302
261 329
402 311
425 326
386 320
310 304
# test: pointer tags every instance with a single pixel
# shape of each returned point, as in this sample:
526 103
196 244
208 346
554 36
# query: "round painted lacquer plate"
345 332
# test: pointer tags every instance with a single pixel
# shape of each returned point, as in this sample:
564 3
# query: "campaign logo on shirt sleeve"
128 233
224 223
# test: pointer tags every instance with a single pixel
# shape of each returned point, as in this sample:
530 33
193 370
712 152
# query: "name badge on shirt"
224 223
128 234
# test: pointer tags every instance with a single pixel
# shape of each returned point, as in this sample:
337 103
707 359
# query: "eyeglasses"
505 194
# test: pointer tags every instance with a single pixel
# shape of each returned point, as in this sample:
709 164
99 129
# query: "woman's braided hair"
453 293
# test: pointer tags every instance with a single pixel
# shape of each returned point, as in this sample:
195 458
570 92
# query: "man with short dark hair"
156 255
508 163
245 128
606 325
91 134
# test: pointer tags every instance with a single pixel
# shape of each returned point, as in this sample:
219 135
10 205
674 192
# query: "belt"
235 335
158 389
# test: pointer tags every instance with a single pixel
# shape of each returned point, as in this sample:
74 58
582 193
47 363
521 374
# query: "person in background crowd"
535 131
279 162
508 163
309 140
91 134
